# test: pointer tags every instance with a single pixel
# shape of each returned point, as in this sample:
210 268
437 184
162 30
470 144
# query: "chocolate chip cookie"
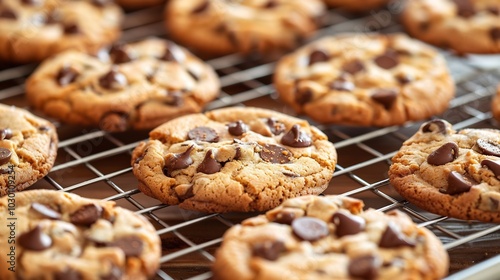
28 148
329 237
450 173
132 86
220 27
365 79
58 235
357 5
233 159
452 24
32 30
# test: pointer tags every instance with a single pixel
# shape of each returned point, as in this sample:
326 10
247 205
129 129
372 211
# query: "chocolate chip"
353 67
495 33
5 133
114 274
346 224
284 218
201 8
457 183
86 215
494 203
318 56
5 155
237 154
193 75
203 134
271 4
488 148
101 3
46 211
71 28
493 10
113 80
275 154
8 14
114 121
275 126
66 75
424 26
387 60
393 237
35 240
494 166
290 174
232 37
269 249
68 274
44 128
173 53
178 161
464 8
119 54
32 2
53 17
131 245
296 138
341 84
444 154
209 165
237 128
386 97
309 228
434 126
364 267
404 79
303 96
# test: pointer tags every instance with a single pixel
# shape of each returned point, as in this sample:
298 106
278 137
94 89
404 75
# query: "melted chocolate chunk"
444 154
318 56
46 211
341 84
275 126
5 155
488 148
68 274
119 54
271 4
8 14
284 218
493 10
434 126
201 8
114 121
457 183
393 237
113 80
131 246
5 133
346 224
178 161
296 138
495 33
174 98
364 267
494 166
237 128
86 215
203 134
465 8
387 60
66 76
269 250
303 96
35 240
386 97
404 79
173 53
275 154
209 165
32 2
71 28
494 203
309 228
353 67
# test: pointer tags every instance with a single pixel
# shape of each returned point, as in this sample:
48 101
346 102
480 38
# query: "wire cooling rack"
96 164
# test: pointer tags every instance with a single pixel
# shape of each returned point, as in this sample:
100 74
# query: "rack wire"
96 164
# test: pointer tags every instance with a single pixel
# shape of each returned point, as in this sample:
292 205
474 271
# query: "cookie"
233 159
357 5
32 30
54 235
220 27
365 79
137 4
452 24
329 237
450 173
132 86
495 105
28 148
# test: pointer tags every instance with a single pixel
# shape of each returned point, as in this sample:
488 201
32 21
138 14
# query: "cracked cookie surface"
32 30
64 236
450 173
28 148
452 24
365 79
132 86
329 237
226 26
233 159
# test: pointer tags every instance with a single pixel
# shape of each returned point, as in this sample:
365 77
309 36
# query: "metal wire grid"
96 164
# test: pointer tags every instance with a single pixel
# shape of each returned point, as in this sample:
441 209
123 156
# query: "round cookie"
452 24
132 86
495 105
28 148
64 236
329 237
450 173
233 159
357 5
365 79
32 30
221 27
